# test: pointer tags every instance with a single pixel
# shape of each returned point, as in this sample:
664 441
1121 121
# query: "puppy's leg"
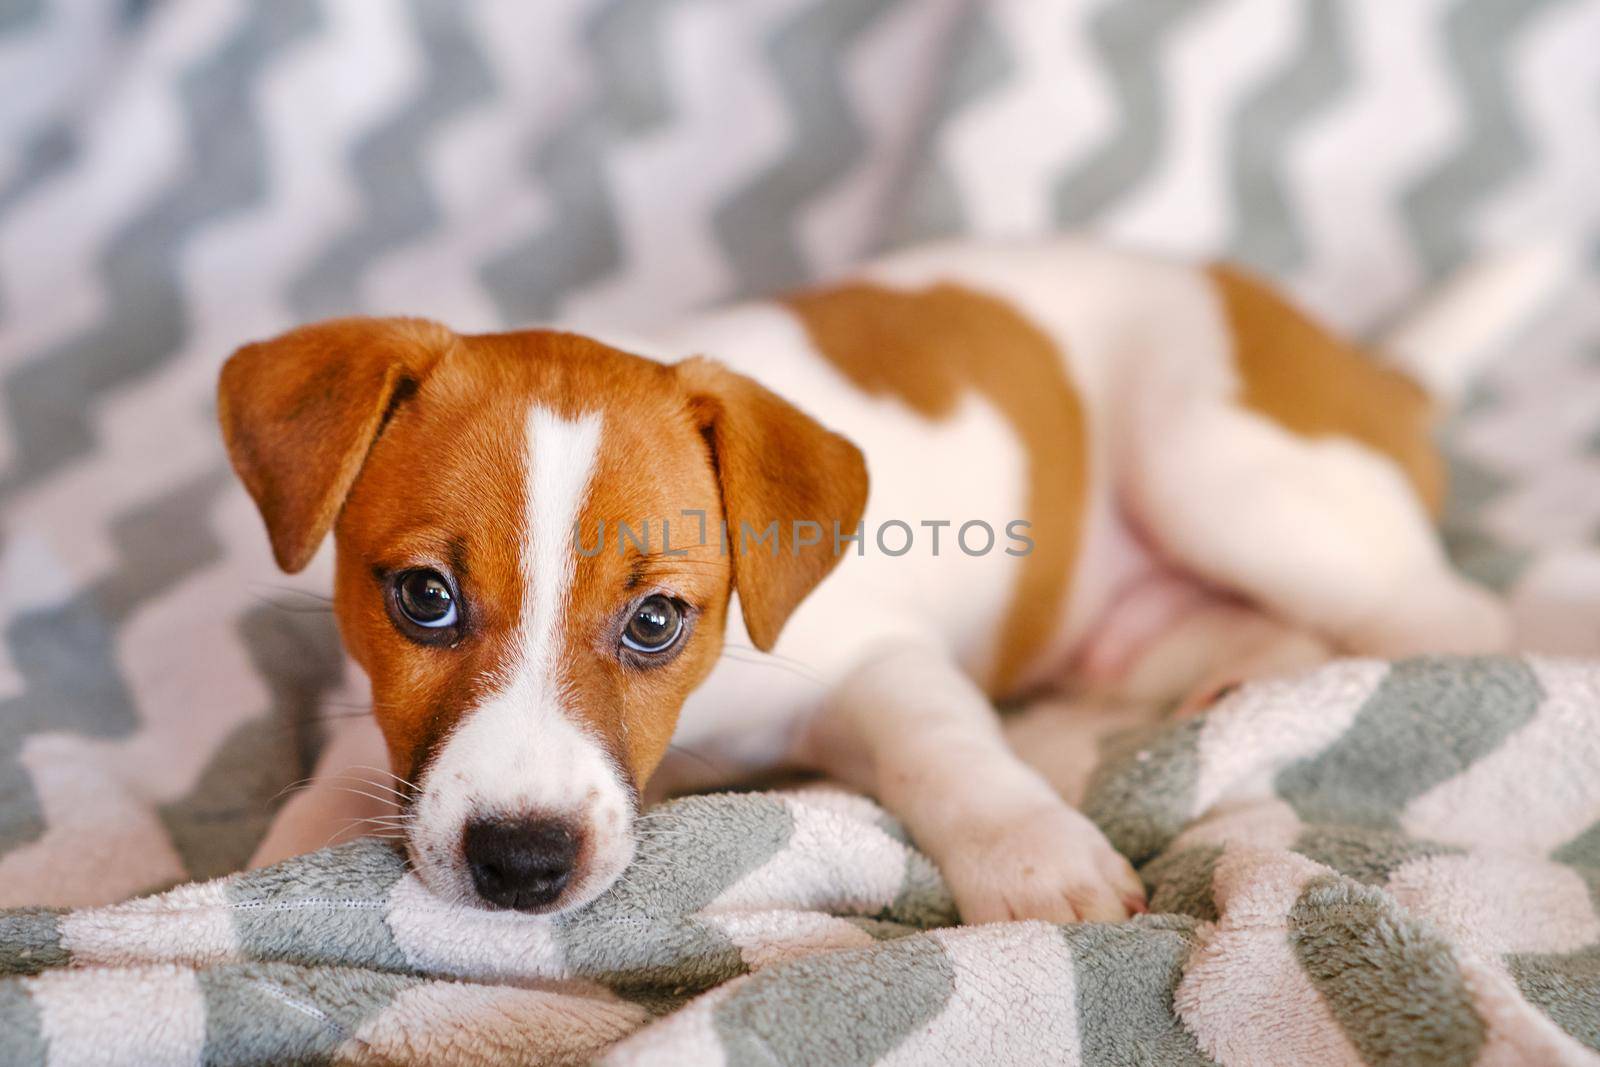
1172 641
911 728
1264 649
1322 532
1215 649
1061 736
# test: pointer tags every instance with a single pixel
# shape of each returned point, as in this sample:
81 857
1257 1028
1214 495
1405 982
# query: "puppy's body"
1081 389
1087 469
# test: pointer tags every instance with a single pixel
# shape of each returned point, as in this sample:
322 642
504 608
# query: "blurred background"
180 176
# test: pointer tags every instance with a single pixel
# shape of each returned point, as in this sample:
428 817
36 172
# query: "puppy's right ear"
299 413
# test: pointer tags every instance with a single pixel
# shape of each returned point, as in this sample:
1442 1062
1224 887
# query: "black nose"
520 863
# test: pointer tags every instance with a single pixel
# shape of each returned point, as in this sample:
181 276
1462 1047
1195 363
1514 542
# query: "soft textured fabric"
1374 864
179 177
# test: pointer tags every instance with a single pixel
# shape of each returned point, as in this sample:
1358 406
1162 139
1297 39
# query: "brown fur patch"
1313 383
929 347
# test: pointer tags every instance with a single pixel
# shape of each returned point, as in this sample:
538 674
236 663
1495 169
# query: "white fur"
908 726
522 751
873 677
560 459
1324 533
892 708
874 682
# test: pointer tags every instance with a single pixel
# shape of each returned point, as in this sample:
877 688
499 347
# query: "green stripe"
1583 850
1582 854
759 224
837 1009
880 929
1480 38
22 1041
277 1013
217 824
17 15
1429 720
1142 793
1181 882
633 98
143 315
391 163
641 956
68 652
30 941
979 64
328 907
1473 487
1130 37
642 932
1367 854
1391 982
1566 987
1126 976
924 900
1267 236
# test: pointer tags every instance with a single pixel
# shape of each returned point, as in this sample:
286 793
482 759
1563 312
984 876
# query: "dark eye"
655 624
425 598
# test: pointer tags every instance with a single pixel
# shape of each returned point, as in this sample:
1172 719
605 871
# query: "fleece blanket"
1377 863
177 178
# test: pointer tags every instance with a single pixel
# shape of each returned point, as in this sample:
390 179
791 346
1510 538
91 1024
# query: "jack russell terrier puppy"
968 474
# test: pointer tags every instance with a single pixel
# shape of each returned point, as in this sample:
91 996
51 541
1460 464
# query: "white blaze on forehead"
522 751
561 459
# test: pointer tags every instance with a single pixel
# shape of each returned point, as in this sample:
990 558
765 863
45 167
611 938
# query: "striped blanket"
1378 863
179 177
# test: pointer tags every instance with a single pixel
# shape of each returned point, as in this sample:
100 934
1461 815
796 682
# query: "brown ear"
774 463
299 413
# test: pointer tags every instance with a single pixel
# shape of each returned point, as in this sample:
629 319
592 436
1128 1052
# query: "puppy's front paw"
1045 861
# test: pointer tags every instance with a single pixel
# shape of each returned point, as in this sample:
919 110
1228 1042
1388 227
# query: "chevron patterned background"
177 177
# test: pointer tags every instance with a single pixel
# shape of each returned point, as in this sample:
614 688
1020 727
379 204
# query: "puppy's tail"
1446 341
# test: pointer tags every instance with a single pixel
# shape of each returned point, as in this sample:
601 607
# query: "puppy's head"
525 682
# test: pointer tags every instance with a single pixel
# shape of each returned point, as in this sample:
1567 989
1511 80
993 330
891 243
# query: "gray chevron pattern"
827 142
397 205
15 15
1129 40
582 245
1266 236
241 166
143 326
43 155
980 64
66 653
1480 37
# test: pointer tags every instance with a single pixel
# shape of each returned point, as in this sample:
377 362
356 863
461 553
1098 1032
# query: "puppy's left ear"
774 464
